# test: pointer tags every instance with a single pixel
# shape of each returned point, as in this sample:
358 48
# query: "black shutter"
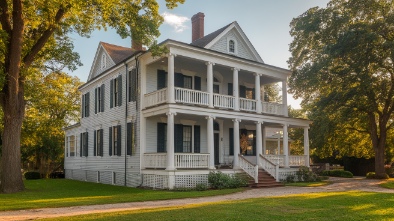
161 79
179 80
230 89
197 83
161 137
178 138
80 145
119 142
254 142
111 93
102 97
231 140
253 93
129 138
120 90
133 83
95 143
95 100
110 141
87 100
197 139
86 144
101 142
242 91
83 106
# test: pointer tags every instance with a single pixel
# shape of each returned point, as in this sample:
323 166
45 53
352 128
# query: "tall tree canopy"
342 63
33 34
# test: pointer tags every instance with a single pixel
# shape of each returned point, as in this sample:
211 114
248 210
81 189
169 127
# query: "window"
85 105
187 82
99 99
71 146
133 85
216 85
114 140
84 145
103 61
231 46
116 92
130 138
182 81
187 139
247 142
98 142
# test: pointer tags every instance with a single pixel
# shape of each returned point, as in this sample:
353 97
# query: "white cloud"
176 21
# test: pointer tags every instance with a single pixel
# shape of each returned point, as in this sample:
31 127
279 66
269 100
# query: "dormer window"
103 61
231 46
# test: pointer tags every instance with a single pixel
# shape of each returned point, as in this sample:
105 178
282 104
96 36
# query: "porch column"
286 145
284 97
306 146
236 143
264 142
210 142
210 82
259 142
257 92
262 100
170 141
235 88
171 79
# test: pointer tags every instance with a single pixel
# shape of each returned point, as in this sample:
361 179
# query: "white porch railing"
249 168
276 159
223 101
270 167
155 160
189 96
247 104
272 108
187 160
156 97
297 160
182 160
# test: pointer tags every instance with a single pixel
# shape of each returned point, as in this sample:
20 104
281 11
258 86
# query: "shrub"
219 180
372 175
290 179
32 175
338 173
201 187
305 175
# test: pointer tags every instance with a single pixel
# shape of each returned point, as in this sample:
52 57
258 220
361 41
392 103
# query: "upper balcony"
191 81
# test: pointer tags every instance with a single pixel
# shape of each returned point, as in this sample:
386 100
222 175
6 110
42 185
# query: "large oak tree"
342 63
34 33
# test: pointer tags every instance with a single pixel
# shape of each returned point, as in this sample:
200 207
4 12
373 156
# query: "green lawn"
64 193
389 184
317 206
309 184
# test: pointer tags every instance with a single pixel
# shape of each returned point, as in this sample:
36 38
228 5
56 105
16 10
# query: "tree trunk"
11 178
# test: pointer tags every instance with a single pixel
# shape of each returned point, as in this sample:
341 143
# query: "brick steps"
265 180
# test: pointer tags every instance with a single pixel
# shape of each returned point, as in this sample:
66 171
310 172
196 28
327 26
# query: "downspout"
125 129
137 105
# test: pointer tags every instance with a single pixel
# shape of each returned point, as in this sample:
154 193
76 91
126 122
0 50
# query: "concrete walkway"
339 184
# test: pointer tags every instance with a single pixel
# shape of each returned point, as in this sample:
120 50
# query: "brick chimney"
136 45
197 26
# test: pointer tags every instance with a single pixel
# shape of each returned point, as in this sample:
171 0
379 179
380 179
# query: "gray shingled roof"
117 53
202 42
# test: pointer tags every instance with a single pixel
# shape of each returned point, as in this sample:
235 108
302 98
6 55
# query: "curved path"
339 184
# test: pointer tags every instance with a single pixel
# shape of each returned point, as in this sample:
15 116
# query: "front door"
216 147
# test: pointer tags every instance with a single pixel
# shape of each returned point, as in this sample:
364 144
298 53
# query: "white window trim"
235 45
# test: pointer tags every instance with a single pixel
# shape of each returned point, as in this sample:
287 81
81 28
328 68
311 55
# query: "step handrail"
250 168
270 167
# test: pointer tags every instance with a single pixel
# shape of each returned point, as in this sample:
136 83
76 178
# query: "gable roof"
117 53
209 40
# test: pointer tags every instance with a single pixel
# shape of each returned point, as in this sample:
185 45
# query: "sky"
265 23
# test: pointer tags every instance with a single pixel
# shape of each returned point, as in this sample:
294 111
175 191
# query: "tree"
342 61
33 35
42 131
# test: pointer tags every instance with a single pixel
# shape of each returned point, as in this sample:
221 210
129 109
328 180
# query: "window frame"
232 45
103 61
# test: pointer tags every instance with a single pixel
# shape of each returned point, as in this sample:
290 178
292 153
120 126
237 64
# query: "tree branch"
5 17
29 58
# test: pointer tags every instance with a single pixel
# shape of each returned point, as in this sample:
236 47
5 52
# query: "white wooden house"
166 122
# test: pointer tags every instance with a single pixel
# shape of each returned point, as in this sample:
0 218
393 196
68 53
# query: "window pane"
187 82
71 144
187 139
216 88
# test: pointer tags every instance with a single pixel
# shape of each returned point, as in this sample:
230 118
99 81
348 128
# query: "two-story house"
166 122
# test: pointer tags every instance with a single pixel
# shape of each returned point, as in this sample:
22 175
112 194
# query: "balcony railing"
182 160
188 96
155 97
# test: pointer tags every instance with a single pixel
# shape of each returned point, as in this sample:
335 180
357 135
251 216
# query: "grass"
389 184
309 184
63 193
352 205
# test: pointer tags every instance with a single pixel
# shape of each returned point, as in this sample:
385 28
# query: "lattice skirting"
181 181
155 181
105 177
284 174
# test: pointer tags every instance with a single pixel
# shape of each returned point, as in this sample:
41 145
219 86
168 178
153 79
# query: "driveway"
339 184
